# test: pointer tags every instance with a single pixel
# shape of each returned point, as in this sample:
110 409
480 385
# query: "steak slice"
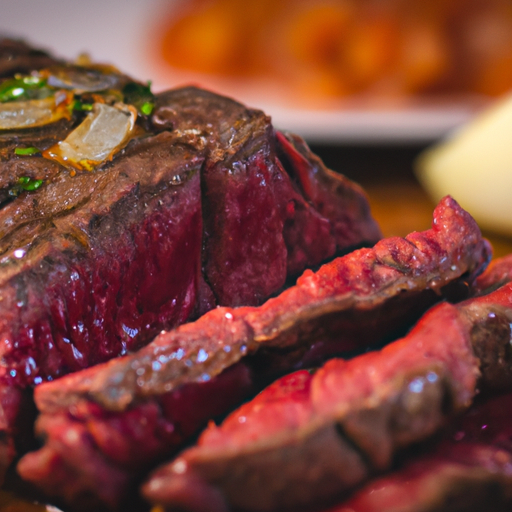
469 470
103 276
307 439
126 415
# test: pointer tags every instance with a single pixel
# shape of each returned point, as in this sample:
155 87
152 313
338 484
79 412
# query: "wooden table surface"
398 202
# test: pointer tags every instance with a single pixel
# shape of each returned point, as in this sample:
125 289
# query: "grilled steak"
81 288
469 470
105 426
123 214
307 439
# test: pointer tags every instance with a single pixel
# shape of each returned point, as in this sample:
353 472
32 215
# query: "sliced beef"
110 423
196 211
76 266
87 284
462 478
317 184
468 470
309 438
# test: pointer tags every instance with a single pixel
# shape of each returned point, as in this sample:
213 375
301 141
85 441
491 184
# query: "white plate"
121 32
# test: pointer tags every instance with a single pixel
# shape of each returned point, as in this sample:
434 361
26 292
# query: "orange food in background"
334 49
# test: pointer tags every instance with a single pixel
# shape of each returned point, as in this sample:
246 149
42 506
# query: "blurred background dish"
332 70
318 52
356 69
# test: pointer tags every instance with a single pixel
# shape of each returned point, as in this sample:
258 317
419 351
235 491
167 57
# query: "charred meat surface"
123 213
353 301
468 470
81 288
308 439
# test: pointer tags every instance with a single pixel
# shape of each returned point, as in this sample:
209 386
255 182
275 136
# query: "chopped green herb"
81 106
27 151
140 96
24 88
27 183
147 107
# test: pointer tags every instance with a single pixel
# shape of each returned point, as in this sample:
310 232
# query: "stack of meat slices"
469 468
105 427
310 438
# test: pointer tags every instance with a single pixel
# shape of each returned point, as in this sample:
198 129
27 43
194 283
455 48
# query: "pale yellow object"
31 113
102 133
475 167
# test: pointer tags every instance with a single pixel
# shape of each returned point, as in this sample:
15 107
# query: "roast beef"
260 222
105 426
195 210
468 470
309 438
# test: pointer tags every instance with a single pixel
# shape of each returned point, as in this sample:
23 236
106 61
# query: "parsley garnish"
25 183
23 88
81 106
140 96
27 151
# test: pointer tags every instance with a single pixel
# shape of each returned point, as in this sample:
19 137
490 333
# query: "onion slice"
103 133
33 113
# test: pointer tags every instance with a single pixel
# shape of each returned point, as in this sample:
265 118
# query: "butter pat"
475 167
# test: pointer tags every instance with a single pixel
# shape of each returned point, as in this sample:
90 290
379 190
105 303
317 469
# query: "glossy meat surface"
270 208
496 274
468 470
250 345
308 439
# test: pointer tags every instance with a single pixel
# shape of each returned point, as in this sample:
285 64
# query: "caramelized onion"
32 113
102 133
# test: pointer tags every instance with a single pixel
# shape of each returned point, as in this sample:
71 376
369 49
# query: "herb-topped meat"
123 213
